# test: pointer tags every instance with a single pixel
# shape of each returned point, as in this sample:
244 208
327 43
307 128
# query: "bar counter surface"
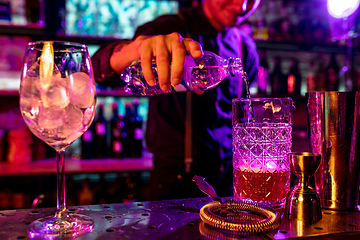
175 219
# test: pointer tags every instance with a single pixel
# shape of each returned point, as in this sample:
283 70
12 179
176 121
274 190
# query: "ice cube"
50 118
72 121
89 116
33 70
28 85
29 106
29 98
53 92
42 82
81 90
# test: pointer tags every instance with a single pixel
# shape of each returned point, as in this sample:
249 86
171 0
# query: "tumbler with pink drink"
262 133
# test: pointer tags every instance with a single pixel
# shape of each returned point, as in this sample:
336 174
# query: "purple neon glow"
342 9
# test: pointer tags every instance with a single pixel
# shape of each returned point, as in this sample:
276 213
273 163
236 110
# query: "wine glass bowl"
58 102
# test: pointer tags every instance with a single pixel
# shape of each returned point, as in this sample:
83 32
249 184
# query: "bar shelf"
31 29
76 166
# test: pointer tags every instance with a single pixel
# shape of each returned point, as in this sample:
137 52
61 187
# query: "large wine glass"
57 102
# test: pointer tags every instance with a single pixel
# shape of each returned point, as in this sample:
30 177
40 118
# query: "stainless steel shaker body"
334 132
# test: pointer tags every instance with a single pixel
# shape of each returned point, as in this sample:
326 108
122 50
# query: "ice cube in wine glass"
53 92
29 99
89 115
29 106
72 122
50 118
33 70
81 90
42 81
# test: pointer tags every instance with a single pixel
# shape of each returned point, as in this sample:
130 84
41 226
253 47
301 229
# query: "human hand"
162 47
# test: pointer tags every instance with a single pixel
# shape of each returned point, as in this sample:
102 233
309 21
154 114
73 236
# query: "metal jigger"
303 202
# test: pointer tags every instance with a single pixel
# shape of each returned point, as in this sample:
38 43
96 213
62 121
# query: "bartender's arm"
145 48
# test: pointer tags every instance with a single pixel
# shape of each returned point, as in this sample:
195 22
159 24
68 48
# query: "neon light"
342 9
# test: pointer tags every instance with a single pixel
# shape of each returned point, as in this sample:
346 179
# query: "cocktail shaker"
334 132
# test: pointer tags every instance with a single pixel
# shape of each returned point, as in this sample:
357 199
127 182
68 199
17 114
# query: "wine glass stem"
61 203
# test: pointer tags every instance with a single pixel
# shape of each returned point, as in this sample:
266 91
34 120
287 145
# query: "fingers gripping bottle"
199 74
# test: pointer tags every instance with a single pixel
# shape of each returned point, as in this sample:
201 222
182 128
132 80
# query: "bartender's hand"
145 48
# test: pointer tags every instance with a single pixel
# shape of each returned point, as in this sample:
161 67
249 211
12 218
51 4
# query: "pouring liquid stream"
248 96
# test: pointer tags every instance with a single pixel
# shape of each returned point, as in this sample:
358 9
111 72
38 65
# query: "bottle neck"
235 66
136 110
101 112
115 113
128 112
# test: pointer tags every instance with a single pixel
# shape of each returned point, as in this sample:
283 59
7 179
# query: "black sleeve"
165 24
104 75
101 64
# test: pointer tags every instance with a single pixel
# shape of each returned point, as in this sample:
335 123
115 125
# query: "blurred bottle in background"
101 146
136 128
116 127
263 75
71 195
130 190
320 74
127 133
294 78
19 146
278 79
33 11
39 149
303 30
319 29
357 80
310 78
87 148
261 31
332 72
86 196
101 195
2 144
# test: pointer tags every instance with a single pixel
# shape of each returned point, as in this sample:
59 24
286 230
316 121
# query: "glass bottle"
263 76
136 122
332 72
310 78
116 125
278 79
100 134
87 148
199 74
101 195
294 78
130 190
86 196
127 133
320 74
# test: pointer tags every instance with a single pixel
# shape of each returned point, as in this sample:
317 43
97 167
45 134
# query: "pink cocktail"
261 142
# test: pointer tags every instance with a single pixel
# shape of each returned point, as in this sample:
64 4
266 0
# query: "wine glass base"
74 225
